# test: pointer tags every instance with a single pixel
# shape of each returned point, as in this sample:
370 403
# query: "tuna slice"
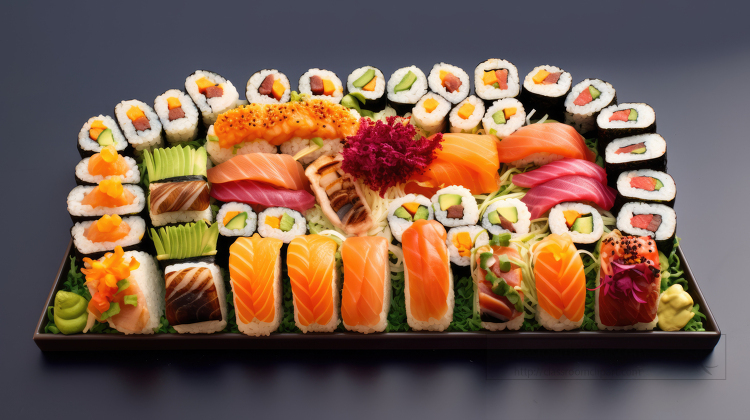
583 98
649 222
621 115
252 192
278 170
266 88
502 78
547 141
568 188
559 169
366 272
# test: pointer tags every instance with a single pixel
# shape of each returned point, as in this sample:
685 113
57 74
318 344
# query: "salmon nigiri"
560 283
312 272
278 170
543 143
366 296
500 304
428 278
255 273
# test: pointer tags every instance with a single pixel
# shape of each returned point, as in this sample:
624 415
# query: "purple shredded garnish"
624 280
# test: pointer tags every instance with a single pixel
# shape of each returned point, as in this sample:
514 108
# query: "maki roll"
321 84
87 202
466 117
406 86
234 220
496 79
496 277
431 112
140 124
368 82
504 117
366 293
645 151
211 93
268 87
647 186
93 238
281 223
455 206
624 120
107 164
645 219
461 240
98 133
585 101
178 116
450 82
581 222
544 91
509 215
404 211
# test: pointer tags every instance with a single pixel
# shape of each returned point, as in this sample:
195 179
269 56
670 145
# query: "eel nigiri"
278 170
255 274
313 275
543 143
560 283
496 287
559 169
253 192
428 277
568 188
366 296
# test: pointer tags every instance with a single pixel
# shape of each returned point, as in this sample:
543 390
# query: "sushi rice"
469 203
666 229
665 194
558 225
552 90
490 93
583 117
253 84
220 155
399 225
182 129
304 85
646 116
521 227
479 237
299 228
251 222
379 90
414 93
431 122
436 85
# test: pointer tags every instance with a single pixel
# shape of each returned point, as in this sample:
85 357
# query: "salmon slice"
98 166
366 273
550 138
98 198
474 151
278 170
560 279
312 270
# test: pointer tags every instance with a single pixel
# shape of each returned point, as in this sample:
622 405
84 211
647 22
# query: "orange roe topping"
107 162
104 275
109 193
107 229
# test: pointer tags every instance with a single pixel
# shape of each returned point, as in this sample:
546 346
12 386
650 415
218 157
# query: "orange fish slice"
365 298
312 272
560 282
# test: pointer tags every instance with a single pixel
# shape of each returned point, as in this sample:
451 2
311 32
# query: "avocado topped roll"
450 82
455 206
322 84
507 216
585 101
405 87
268 86
466 117
461 240
178 116
369 83
404 211
581 222
504 117
139 124
496 79
211 93
99 132
544 90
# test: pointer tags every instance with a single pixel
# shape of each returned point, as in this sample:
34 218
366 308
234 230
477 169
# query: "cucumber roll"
107 164
544 91
455 206
321 84
140 124
99 132
628 119
404 211
406 86
581 222
178 116
466 117
645 185
461 240
431 112
509 215
645 219
88 202
369 83
450 82
211 93
504 117
94 238
645 151
585 101
281 223
496 79
268 86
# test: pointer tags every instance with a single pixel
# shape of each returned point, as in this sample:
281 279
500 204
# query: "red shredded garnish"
383 154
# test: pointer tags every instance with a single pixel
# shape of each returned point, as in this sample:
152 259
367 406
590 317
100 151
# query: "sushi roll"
645 219
369 82
585 101
138 305
455 206
507 216
496 278
87 202
544 91
628 285
219 154
366 293
94 238
624 120
211 93
581 222
647 186
431 113
139 124
99 132
428 279
404 211
450 82
311 265
321 84
234 220
268 86
496 79
406 86
560 283
281 223
504 117
106 164
467 115
255 277
178 116
644 151
461 240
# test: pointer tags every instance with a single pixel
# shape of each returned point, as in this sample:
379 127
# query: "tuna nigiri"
313 275
500 303
543 143
560 283
559 169
278 170
366 296
252 192
568 188
428 277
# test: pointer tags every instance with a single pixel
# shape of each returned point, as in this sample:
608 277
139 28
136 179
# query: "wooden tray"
398 340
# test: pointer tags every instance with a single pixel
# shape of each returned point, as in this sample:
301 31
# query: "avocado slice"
510 213
448 200
494 218
237 222
105 138
350 102
658 184
422 213
364 79
583 225
633 115
406 82
286 223
402 213
594 92
499 117
640 151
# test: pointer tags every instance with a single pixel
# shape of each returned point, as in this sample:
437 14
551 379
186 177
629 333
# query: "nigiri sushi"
543 143
498 280
314 278
366 296
428 277
280 171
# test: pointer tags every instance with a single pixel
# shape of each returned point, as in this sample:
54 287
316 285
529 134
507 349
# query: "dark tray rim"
398 340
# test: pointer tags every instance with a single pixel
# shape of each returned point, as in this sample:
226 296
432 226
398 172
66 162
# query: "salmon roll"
366 294
211 93
178 116
497 279
140 125
431 113
496 79
405 87
450 82
624 120
99 132
544 91
369 82
585 101
268 86
646 219
646 186
110 196
504 117
321 84
466 117
106 164
94 238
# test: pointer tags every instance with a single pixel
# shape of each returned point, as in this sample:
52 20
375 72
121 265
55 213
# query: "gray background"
64 63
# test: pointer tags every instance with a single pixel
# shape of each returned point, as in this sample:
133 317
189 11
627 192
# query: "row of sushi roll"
393 205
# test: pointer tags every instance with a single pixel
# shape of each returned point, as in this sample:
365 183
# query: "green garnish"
131 300
502 239
502 288
212 138
122 285
114 309
317 140
483 258
504 263
496 85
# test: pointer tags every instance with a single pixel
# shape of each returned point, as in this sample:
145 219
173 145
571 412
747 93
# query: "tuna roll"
321 84
268 87
496 79
450 82
645 219
178 116
212 94
140 124
585 101
645 185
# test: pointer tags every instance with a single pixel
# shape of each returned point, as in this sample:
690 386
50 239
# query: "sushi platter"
379 213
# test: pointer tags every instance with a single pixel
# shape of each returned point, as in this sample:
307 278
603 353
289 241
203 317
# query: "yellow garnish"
98 124
109 154
462 242
278 89
489 77
443 75
430 105
111 186
203 84
229 216
570 216
466 110
540 76
411 207
108 223
328 87
509 112
111 269
274 222
134 113
173 103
